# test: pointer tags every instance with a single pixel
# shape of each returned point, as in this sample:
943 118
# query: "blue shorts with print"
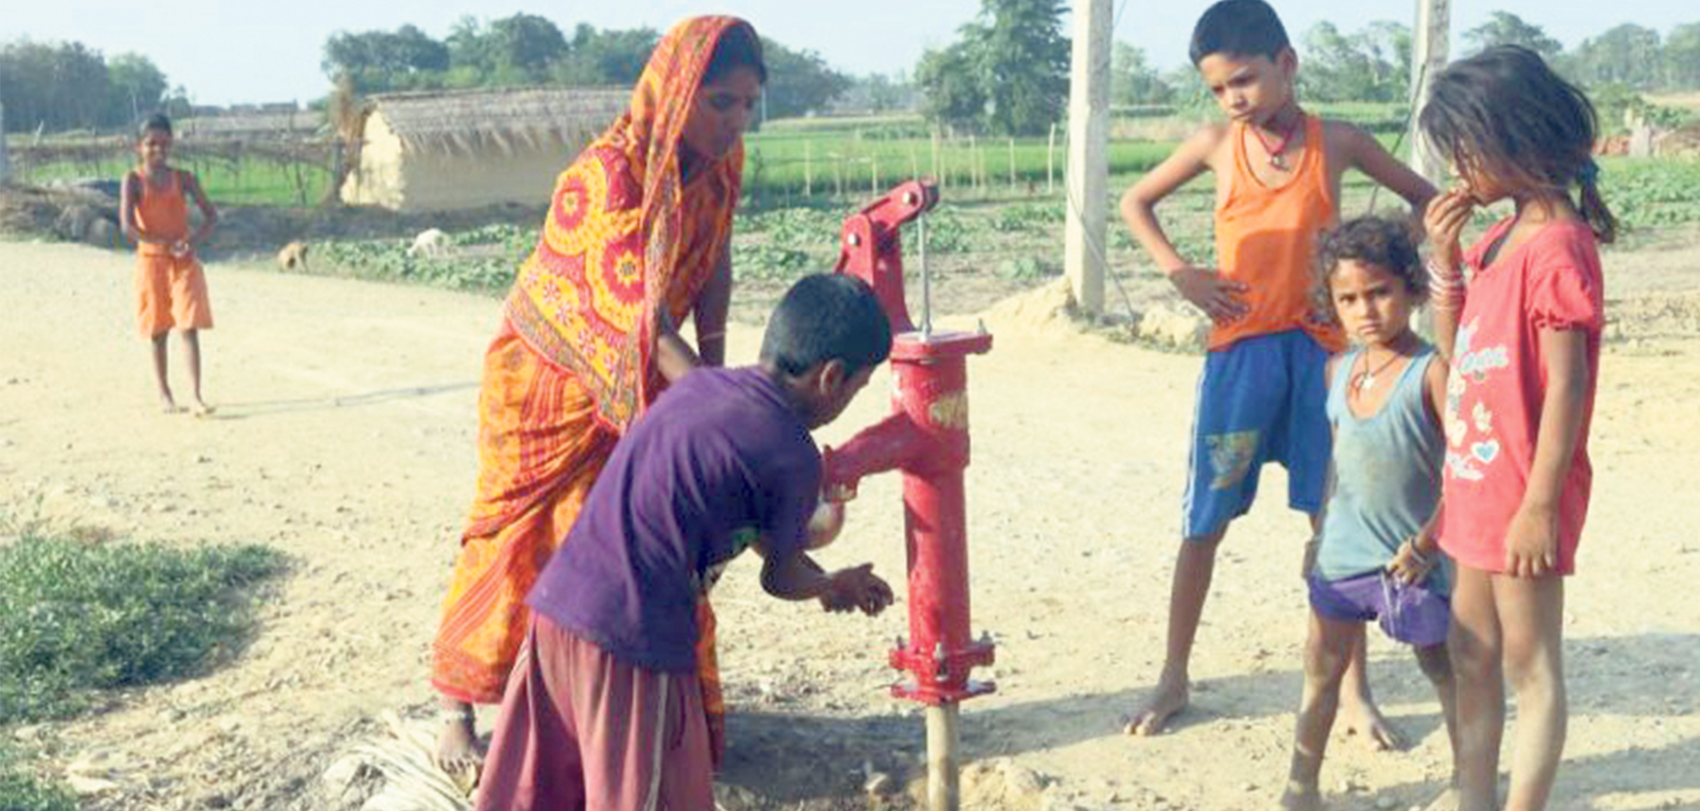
1262 399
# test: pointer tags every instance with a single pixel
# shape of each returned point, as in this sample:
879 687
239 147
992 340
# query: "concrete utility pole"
1429 46
1088 153
5 160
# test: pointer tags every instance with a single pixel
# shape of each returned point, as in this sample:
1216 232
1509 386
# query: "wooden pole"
944 768
1051 162
1429 46
808 169
1088 154
873 174
938 160
1012 166
974 161
914 161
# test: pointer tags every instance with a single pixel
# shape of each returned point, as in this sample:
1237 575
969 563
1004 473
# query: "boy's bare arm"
799 577
1204 287
1366 155
1139 204
209 215
127 207
129 194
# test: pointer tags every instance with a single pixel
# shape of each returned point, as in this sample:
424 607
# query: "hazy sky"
268 50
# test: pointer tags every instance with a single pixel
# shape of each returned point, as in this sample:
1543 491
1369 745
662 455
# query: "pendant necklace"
1278 151
1365 380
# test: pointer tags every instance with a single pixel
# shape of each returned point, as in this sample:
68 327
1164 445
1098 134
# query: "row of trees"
1007 71
527 49
66 86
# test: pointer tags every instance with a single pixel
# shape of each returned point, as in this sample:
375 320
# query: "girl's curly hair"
1386 243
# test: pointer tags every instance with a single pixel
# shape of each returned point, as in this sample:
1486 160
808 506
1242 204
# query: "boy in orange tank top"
1261 396
171 289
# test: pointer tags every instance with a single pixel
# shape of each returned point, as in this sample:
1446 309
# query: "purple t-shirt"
719 460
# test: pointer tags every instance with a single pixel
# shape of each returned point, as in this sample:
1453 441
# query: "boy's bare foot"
169 406
201 409
1365 719
1164 703
1300 797
457 745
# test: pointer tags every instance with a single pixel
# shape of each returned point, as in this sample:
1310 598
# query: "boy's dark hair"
1388 244
739 47
824 317
1506 114
1239 28
158 122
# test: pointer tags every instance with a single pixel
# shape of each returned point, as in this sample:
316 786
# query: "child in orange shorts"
171 289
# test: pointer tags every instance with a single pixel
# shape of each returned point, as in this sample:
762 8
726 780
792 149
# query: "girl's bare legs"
1531 611
1480 707
1327 653
161 379
1437 666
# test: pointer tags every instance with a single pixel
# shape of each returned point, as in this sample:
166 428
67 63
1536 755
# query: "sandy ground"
345 437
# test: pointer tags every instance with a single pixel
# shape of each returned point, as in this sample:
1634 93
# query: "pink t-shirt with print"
1498 382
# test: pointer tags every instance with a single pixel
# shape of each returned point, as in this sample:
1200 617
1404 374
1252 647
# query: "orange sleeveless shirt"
1266 238
162 213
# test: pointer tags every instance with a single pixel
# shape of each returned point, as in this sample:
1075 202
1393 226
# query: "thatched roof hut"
461 149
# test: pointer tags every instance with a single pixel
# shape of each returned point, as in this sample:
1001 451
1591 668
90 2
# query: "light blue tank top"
1386 474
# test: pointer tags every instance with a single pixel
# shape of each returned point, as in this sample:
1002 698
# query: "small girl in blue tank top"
1378 557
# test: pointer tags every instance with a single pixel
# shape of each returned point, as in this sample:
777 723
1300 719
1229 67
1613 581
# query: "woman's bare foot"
1166 701
457 742
1364 719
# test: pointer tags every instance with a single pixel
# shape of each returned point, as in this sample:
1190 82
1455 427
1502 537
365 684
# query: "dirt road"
344 437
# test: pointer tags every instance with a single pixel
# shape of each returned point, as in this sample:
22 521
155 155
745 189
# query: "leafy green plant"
769 262
80 615
1029 268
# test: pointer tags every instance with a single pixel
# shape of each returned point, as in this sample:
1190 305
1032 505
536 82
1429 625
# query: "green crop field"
249 182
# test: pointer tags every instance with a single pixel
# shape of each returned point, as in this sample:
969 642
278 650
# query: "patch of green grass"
22 791
81 615
249 182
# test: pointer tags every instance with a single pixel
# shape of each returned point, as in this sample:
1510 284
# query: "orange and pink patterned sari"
571 366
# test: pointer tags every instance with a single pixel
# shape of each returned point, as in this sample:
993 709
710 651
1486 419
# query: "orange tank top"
162 213
1266 238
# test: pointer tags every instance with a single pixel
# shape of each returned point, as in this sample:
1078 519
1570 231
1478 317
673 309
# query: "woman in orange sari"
636 239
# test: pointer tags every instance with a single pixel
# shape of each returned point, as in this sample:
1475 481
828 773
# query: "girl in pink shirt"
1523 336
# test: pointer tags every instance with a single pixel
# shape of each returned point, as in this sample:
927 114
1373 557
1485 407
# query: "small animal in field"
293 256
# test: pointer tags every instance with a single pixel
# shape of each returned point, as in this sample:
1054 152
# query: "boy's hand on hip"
856 588
1219 298
1531 542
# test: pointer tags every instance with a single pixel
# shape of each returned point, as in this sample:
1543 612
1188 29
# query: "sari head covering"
625 236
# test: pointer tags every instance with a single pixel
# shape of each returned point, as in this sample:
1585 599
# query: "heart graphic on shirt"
1485 451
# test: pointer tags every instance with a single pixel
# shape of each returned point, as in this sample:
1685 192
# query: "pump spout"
893 443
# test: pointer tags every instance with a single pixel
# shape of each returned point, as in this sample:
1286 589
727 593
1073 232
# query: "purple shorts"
1410 614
